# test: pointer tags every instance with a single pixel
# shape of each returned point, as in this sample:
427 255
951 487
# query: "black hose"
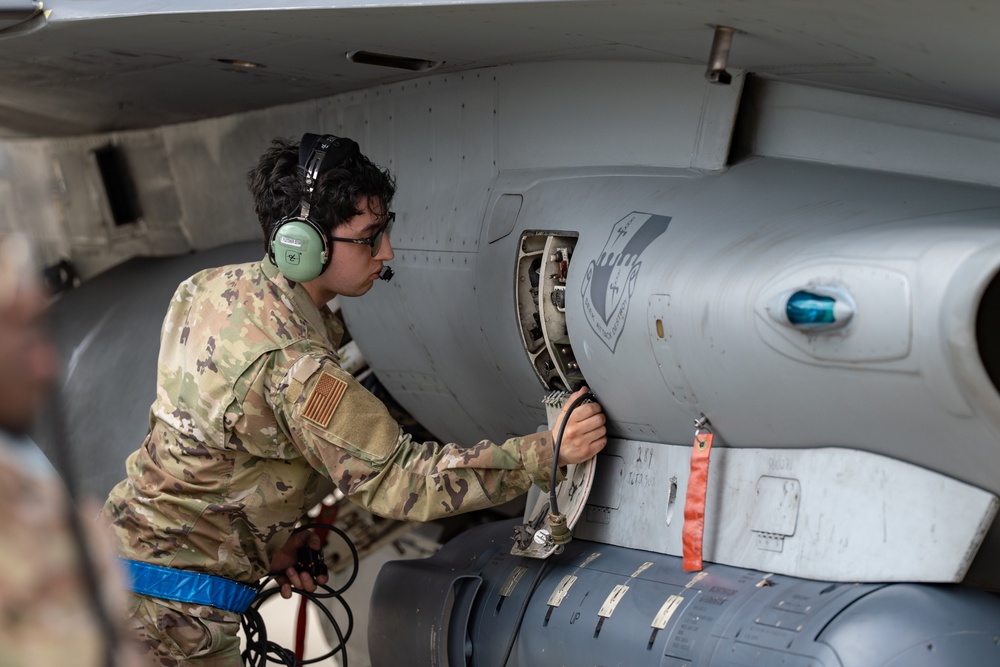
524 608
553 503
259 648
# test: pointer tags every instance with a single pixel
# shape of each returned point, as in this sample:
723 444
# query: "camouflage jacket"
252 409
47 614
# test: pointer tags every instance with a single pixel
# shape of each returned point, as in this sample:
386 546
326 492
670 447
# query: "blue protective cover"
185 586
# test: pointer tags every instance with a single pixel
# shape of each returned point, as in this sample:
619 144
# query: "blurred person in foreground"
61 595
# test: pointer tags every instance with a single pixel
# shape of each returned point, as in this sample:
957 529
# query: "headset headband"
319 153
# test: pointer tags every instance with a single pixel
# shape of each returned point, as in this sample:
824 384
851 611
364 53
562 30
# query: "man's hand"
286 558
585 433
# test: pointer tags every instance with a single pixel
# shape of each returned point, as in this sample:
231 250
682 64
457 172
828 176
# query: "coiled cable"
260 650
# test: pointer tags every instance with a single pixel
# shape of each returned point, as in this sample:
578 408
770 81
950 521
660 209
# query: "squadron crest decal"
610 280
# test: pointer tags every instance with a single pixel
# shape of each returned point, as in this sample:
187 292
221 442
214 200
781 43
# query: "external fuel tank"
475 605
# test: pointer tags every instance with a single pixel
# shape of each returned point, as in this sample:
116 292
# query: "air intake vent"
397 62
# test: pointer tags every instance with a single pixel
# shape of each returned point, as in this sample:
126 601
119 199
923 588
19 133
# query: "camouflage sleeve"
348 435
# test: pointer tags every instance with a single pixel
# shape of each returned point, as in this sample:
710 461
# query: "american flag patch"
324 399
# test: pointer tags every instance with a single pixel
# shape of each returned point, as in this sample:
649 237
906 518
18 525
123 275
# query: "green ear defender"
299 249
299 246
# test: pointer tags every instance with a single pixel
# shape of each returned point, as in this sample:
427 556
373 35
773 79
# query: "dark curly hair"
278 187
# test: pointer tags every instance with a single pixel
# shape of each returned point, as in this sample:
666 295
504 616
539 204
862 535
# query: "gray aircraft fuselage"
624 223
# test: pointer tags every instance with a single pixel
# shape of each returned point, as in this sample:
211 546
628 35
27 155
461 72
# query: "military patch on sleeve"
323 399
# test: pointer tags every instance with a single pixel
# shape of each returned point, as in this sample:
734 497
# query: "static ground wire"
554 509
542 569
260 651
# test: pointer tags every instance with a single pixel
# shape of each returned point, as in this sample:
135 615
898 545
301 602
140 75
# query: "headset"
299 246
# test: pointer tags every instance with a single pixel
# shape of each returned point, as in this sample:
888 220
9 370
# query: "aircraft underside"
806 270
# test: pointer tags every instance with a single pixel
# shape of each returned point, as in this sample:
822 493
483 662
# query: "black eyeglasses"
373 241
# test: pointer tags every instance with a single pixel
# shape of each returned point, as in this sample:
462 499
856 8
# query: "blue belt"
168 583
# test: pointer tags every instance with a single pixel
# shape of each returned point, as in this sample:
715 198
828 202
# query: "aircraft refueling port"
540 294
987 328
814 309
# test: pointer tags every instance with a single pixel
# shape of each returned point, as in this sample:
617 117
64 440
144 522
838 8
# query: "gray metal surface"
107 333
904 380
590 119
728 241
597 604
65 72
788 208
824 513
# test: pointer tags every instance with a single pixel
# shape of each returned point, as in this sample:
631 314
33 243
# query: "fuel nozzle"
559 531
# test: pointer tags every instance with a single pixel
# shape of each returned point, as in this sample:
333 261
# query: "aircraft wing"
72 67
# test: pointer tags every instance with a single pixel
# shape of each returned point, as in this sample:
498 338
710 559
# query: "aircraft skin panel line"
194 60
773 510
807 258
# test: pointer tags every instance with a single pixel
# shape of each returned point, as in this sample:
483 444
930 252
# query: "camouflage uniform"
251 410
47 616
